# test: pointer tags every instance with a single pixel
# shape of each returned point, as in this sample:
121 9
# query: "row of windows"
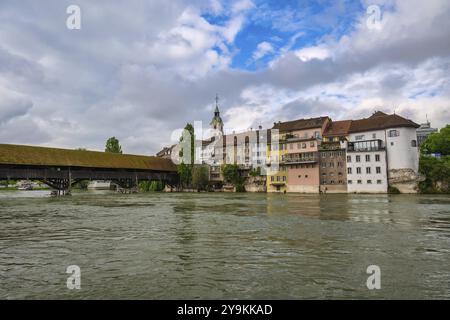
368 181
367 158
362 137
331 174
332 154
331 165
302 166
368 170
302 145
332 182
272 178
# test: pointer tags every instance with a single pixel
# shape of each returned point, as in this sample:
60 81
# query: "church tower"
216 122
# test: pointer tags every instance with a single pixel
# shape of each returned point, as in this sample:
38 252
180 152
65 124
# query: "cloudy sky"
139 69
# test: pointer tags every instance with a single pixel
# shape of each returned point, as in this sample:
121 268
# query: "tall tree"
438 142
200 177
113 145
189 145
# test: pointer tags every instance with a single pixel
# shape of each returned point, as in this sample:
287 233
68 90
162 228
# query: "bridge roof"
41 156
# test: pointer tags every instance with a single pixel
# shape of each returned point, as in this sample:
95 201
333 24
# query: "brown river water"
224 246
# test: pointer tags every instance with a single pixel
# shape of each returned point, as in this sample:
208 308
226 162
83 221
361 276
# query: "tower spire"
217 103
216 122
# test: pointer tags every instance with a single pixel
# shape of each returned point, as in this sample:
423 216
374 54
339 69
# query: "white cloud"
306 54
140 70
262 50
242 5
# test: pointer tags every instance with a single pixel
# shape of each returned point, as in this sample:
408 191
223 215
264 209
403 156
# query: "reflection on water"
224 245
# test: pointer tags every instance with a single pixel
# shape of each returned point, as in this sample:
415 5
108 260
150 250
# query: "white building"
366 166
389 144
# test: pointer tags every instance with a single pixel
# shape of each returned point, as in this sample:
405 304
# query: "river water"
223 245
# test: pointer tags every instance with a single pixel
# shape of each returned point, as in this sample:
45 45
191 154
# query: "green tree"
185 173
231 175
437 174
113 145
200 177
185 169
255 172
437 142
151 186
188 144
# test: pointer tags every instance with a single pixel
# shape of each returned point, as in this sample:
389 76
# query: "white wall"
401 154
364 187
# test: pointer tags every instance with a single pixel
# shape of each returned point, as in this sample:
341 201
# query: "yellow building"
276 172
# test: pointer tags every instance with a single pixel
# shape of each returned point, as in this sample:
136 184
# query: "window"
413 143
331 164
377 157
311 144
358 158
368 170
303 145
284 178
378 170
361 137
358 170
374 135
306 176
393 133
317 134
324 164
299 175
369 181
350 182
272 178
349 158
378 181
278 178
341 182
324 174
392 143
339 164
332 182
367 157
349 170
359 181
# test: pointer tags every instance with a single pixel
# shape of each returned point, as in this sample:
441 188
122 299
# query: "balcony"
364 146
300 158
295 138
325 146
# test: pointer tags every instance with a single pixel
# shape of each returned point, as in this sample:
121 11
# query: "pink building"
301 139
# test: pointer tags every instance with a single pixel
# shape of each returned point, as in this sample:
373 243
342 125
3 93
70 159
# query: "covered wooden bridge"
62 168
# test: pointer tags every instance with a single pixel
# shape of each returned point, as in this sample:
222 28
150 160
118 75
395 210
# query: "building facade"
333 164
301 139
391 139
424 131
